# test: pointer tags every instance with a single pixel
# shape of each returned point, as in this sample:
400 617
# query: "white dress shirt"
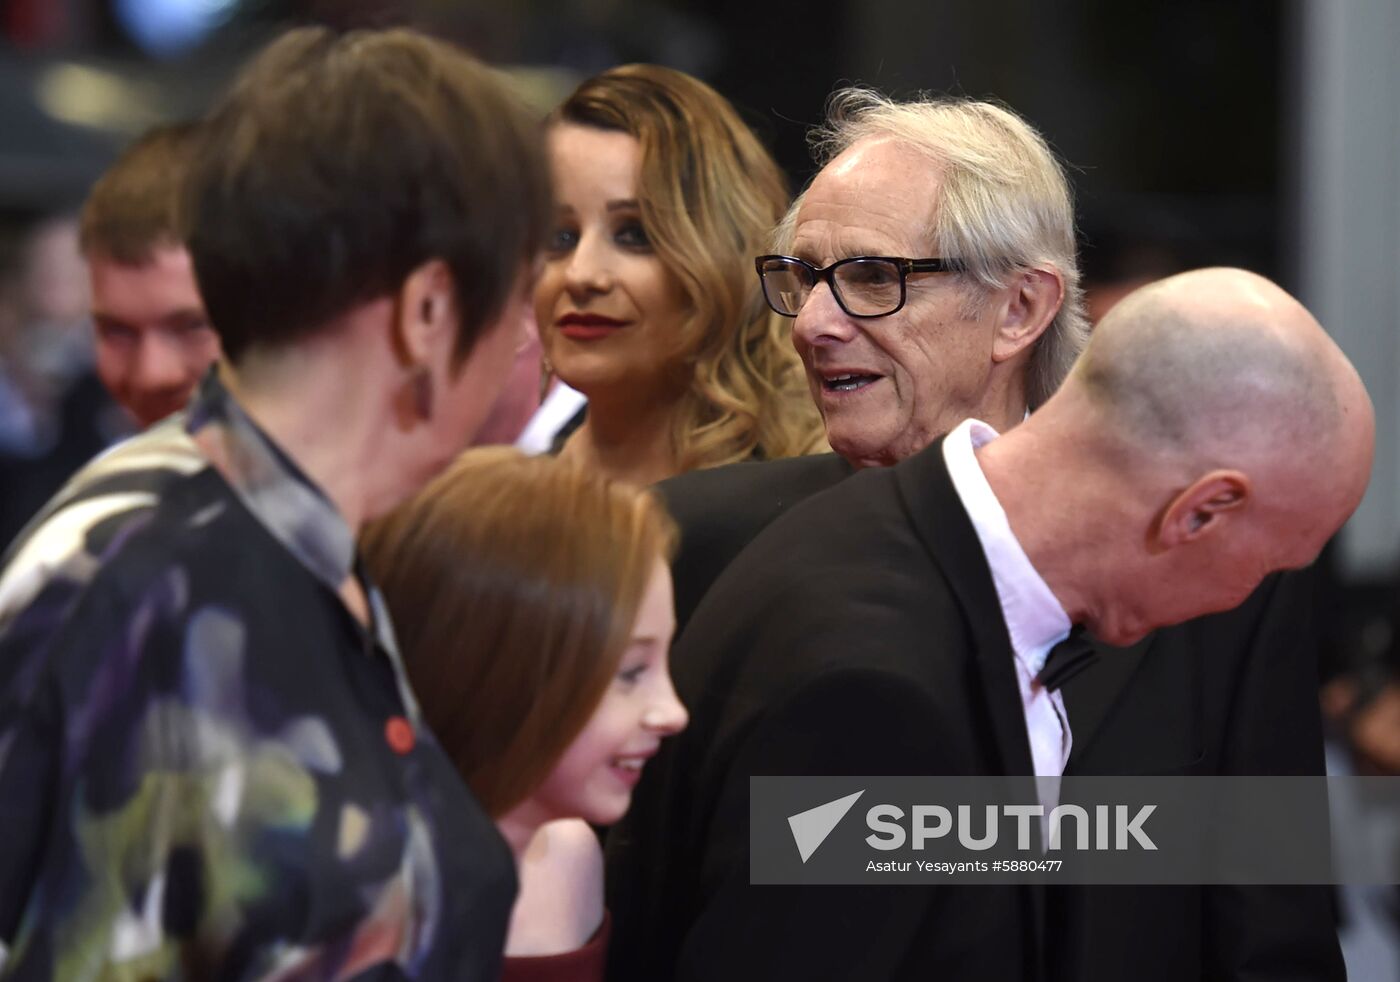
559 406
1034 619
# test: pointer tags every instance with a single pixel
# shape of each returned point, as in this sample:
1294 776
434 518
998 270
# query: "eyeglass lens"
868 286
863 286
787 286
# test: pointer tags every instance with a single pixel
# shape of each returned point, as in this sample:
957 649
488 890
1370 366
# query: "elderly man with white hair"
897 622
987 327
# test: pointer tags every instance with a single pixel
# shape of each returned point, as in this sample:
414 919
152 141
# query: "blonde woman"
647 303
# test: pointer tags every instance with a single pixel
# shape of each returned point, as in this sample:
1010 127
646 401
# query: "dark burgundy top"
580 965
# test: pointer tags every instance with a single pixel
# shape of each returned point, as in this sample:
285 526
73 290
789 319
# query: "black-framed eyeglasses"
864 286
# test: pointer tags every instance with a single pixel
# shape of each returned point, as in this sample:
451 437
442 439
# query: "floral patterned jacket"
208 767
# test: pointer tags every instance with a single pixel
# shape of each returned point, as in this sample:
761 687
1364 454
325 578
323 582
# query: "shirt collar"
1034 618
271 485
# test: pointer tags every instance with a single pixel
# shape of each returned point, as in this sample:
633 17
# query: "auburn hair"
514 583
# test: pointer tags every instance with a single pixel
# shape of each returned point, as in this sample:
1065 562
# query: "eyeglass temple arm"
935 266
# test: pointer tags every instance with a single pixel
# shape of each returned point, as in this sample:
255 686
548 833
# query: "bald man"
895 624
1212 434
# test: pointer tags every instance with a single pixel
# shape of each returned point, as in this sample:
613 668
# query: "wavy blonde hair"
709 194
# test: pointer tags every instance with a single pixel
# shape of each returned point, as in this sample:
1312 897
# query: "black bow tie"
1067 659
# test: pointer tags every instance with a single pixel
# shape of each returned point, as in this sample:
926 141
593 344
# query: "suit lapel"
940 521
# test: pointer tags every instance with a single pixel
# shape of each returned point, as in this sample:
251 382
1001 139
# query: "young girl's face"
595 777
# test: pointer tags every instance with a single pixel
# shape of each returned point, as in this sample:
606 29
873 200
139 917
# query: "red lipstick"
587 327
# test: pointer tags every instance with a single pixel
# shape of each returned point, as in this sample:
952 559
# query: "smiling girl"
533 603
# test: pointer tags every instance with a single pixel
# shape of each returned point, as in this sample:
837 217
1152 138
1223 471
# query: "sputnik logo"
810 828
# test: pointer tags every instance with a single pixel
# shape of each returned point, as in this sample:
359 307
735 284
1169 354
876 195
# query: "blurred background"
1261 134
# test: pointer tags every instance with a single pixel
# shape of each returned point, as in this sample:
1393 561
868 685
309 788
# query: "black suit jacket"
721 509
1234 693
860 634
1230 694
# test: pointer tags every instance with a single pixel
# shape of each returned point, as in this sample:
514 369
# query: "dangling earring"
546 376
421 386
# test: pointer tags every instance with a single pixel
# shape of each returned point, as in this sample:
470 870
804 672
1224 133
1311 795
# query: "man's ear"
1202 508
423 315
1032 299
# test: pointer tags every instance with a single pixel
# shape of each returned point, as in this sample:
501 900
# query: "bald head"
1212 433
1220 367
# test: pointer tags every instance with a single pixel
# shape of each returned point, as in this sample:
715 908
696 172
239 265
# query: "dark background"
1257 133
1178 120
1171 115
